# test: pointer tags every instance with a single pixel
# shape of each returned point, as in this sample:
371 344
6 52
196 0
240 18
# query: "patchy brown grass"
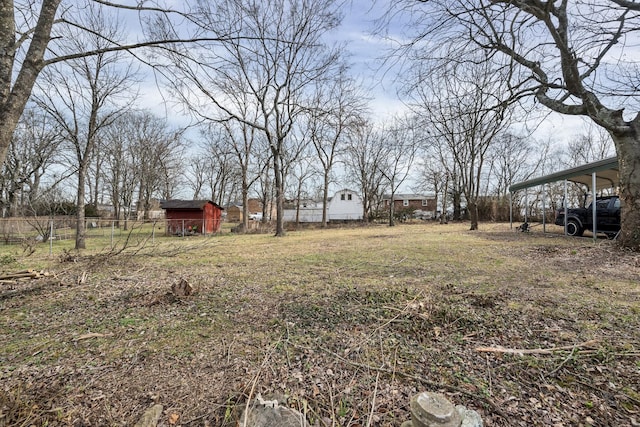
344 324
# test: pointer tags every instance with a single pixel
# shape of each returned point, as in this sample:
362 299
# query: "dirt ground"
528 330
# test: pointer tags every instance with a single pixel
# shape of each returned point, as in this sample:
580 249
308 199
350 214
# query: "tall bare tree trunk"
13 99
80 222
392 211
472 206
628 148
245 201
279 180
325 198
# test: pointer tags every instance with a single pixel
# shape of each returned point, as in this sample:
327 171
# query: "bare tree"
213 172
159 150
246 145
196 174
121 166
432 177
440 172
466 109
337 108
31 33
592 146
236 145
510 160
276 55
33 150
266 191
18 72
143 160
402 141
95 173
85 95
302 174
364 157
568 56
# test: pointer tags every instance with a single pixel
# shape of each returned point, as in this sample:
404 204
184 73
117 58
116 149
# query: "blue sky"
366 53
368 50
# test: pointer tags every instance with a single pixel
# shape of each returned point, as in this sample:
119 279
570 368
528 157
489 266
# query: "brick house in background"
234 209
192 216
410 203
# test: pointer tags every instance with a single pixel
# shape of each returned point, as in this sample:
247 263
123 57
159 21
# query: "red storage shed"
192 216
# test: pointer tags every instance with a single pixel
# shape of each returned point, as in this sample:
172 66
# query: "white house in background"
345 205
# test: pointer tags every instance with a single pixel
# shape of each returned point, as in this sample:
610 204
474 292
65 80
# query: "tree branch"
630 5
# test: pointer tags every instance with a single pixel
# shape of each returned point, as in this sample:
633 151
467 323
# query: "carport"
596 176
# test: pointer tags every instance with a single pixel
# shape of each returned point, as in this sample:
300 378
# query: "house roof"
409 196
345 190
606 171
185 204
252 202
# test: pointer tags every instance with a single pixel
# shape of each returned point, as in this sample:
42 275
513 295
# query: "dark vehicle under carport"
599 175
578 220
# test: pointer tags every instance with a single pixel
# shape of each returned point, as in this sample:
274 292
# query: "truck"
581 219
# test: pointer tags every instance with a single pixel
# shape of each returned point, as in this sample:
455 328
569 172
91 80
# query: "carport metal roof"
606 173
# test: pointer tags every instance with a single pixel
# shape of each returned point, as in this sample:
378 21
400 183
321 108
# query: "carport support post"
566 209
544 210
511 210
593 205
526 205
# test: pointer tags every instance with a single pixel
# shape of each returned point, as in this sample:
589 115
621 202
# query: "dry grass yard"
345 325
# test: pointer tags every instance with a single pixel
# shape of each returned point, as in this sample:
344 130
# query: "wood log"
18 276
22 275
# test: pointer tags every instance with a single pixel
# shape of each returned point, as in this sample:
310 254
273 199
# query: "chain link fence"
60 232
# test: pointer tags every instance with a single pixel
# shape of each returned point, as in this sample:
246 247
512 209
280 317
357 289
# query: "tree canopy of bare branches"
35 35
402 139
568 56
267 68
465 108
365 157
337 109
87 94
34 149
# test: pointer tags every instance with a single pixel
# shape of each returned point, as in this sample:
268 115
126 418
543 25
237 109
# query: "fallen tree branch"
551 350
22 275
92 335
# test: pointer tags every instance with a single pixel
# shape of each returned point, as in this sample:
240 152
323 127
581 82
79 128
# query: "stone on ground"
150 417
268 413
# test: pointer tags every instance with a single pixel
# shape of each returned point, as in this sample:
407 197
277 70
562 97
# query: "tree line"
139 158
279 110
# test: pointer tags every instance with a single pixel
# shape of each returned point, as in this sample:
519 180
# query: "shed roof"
606 171
186 204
